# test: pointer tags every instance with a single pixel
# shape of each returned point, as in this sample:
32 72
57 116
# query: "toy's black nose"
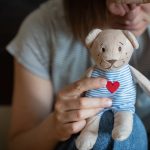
112 61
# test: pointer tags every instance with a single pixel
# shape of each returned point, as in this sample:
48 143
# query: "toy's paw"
86 141
121 134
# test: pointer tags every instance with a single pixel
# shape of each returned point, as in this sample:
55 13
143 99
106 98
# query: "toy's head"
111 49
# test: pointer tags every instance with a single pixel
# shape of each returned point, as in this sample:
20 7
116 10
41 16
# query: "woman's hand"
133 17
72 110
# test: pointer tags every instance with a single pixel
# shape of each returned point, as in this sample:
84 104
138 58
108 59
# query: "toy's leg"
88 135
122 125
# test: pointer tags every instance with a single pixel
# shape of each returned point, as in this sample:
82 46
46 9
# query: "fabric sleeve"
31 46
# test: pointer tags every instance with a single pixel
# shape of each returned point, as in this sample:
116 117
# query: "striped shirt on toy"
120 88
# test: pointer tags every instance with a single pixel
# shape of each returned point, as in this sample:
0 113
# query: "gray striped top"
47 48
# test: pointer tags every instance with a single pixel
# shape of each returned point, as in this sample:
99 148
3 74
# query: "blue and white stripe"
124 98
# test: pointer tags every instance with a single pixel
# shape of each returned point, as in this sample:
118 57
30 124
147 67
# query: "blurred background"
12 13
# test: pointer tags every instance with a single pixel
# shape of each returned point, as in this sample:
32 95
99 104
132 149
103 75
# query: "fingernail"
103 82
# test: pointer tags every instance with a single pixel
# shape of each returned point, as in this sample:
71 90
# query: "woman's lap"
136 141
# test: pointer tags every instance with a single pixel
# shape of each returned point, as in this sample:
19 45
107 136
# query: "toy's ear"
131 38
91 37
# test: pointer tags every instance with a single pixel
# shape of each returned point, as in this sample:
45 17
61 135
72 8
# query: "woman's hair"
84 15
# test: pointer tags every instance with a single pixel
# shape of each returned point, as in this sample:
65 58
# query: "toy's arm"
88 73
141 80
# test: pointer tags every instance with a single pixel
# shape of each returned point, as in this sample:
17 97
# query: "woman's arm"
32 126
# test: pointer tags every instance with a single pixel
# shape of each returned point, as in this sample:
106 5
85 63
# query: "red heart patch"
112 86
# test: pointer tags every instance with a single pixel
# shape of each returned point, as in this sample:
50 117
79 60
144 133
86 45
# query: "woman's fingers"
72 128
77 115
76 89
83 103
75 127
80 109
66 130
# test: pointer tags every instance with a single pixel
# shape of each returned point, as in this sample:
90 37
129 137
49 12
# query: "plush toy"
111 51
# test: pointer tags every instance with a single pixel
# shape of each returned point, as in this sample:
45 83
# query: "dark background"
12 13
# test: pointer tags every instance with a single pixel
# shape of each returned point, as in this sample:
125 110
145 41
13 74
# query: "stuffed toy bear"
111 51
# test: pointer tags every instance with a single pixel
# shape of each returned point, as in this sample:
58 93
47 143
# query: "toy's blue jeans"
136 141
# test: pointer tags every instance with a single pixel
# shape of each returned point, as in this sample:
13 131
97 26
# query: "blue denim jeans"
136 141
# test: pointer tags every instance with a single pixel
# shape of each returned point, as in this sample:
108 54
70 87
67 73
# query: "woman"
49 54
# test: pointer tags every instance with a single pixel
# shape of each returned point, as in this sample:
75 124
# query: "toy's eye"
119 49
103 50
